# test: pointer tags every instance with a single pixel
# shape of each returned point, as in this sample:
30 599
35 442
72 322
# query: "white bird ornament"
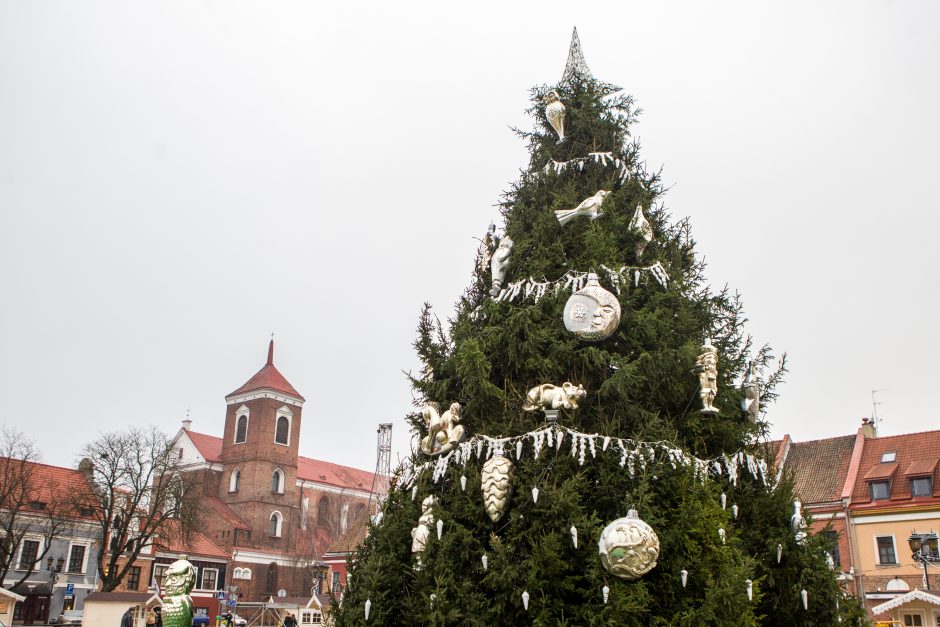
590 207
555 113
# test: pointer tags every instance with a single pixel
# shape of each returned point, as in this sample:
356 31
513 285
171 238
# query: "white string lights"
601 158
634 455
574 280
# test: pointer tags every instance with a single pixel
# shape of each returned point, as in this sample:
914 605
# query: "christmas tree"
588 455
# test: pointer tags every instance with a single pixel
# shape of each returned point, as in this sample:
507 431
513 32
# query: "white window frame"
889 456
280 524
202 579
241 411
68 559
234 480
894 544
918 613
284 412
19 554
153 573
280 482
311 617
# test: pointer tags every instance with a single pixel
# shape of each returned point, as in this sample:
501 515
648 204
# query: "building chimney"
869 430
187 424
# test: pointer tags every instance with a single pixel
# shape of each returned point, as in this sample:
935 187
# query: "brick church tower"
259 457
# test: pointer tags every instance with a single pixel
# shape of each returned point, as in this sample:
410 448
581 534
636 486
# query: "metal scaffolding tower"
383 461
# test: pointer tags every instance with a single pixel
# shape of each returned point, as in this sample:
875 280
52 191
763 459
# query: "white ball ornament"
629 547
592 313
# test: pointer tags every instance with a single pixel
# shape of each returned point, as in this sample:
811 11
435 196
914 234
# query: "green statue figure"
177 604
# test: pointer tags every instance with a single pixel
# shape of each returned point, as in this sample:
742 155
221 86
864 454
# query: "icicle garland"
574 280
602 158
634 456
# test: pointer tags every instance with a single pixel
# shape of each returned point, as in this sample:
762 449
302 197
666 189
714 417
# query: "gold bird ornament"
555 113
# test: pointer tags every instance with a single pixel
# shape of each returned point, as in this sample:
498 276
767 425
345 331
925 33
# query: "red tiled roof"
197 546
223 512
54 486
210 447
884 470
350 542
268 378
819 468
320 471
923 466
908 449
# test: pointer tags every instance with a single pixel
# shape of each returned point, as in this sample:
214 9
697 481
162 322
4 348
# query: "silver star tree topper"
576 68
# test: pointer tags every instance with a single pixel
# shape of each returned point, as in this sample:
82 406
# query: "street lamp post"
924 551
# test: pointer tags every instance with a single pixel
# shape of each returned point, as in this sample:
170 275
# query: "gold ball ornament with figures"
592 313
629 547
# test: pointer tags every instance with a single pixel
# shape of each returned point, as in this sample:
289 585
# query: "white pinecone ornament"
555 113
497 486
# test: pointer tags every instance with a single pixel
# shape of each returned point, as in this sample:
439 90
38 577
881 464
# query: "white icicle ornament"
496 485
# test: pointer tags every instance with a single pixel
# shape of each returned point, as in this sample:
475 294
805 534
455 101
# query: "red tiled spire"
268 378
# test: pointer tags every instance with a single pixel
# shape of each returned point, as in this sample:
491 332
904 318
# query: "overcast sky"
179 179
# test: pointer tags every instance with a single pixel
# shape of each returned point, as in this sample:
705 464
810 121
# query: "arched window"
359 511
241 429
277 482
323 512
274 529
234 480
283 430
271 582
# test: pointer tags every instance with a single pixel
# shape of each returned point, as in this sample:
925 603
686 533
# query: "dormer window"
880 490
921 486
888 457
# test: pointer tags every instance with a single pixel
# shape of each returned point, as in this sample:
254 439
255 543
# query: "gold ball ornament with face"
592 313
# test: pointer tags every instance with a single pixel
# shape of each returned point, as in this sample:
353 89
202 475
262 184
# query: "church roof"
268 378
210 447
308 469
319 471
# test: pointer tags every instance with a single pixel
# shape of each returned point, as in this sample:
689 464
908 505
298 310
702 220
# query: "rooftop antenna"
874 407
